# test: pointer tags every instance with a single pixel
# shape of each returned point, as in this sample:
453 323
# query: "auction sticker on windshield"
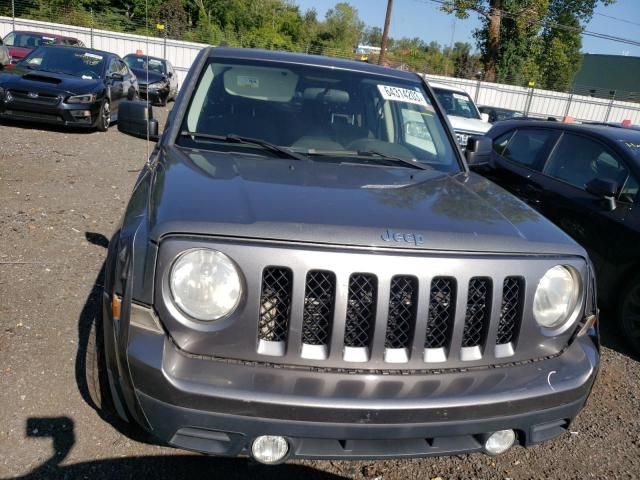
396 94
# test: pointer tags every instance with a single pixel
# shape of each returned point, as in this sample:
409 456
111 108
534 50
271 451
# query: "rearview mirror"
605 189
136 118
478 150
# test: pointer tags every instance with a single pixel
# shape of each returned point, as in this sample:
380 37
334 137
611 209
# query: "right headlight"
205 284
556 297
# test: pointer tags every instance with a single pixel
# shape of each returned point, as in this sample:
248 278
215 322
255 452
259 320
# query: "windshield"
141 63
456 103
28 40
72 61
325 114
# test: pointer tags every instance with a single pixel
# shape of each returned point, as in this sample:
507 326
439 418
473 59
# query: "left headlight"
556 297
87 98
205 284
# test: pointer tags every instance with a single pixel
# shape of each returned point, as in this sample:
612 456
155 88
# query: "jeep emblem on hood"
414 238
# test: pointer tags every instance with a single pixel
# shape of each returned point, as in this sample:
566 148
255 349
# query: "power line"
547 23
618 19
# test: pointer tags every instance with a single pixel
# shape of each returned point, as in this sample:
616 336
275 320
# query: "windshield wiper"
248 141
405 161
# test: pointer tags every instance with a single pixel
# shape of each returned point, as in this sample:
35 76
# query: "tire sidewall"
623 324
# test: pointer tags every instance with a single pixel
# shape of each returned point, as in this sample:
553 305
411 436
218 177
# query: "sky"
423 19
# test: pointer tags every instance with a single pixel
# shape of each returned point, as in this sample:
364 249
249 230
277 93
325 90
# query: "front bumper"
59 113
219 406
155 96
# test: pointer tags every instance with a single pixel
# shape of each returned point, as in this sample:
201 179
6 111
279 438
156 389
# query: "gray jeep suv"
307 269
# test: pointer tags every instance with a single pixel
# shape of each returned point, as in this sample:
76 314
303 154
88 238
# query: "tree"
524 40
342 28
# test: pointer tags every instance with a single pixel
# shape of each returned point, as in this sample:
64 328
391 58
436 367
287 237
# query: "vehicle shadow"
611 336
26 125
173 467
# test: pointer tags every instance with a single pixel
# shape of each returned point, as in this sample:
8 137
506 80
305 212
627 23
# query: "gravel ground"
60 193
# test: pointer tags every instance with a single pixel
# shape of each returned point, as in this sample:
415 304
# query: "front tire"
629 314
96 367
104 118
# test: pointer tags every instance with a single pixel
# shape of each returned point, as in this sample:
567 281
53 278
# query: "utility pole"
385 33
13 14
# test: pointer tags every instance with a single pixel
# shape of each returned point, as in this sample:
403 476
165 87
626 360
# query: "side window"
527 145
630 190
577 160
113 66
500 143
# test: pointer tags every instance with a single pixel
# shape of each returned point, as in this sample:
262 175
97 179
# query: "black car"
70 86
157 78
499 114
585 179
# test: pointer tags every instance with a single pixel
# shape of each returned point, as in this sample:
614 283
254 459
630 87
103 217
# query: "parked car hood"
19 52
469 124
46 82
226 194
141 75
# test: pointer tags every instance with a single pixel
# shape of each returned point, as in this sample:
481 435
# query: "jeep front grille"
404 315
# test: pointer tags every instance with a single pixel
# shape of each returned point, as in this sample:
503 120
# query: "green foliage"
538 40
271 24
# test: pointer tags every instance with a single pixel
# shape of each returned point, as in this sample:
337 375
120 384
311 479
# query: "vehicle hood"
250 196
19 78
141 75
19 52
471 125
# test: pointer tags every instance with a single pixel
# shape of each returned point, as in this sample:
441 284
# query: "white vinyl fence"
545 103
530 101
180 54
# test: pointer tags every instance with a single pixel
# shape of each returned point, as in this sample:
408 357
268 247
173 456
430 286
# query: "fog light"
269 449
499 442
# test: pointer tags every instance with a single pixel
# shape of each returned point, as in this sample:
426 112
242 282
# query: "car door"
114 81
606 234
517 158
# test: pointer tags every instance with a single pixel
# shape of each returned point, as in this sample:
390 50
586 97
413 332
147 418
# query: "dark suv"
307 269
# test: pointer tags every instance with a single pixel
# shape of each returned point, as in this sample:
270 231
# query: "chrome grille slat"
478 312
275 304
442 305
361 310
319 297
403 301
511 311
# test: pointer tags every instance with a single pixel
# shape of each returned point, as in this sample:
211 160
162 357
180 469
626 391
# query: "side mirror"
116 76
169 74
484 117
606 190
478 150
135 118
